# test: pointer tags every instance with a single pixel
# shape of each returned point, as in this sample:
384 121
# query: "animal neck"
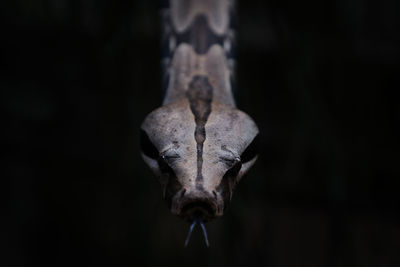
197 41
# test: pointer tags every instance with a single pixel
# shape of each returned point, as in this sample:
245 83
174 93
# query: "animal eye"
251 151
147 146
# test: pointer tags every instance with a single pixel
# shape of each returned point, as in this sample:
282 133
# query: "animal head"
199 152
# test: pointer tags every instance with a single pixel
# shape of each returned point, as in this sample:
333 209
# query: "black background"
320 78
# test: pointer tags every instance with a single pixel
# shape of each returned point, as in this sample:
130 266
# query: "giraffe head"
199 150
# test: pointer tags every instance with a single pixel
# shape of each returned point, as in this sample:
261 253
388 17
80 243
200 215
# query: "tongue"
203 227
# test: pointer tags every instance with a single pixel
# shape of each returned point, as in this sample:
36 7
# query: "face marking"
199 95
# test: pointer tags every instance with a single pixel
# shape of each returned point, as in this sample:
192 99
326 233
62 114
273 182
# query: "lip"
193 209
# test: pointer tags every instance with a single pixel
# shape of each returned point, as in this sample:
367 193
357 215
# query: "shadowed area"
319 78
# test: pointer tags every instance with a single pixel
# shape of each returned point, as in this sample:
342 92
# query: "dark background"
319 77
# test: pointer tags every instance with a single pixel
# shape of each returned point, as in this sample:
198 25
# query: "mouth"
198 209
